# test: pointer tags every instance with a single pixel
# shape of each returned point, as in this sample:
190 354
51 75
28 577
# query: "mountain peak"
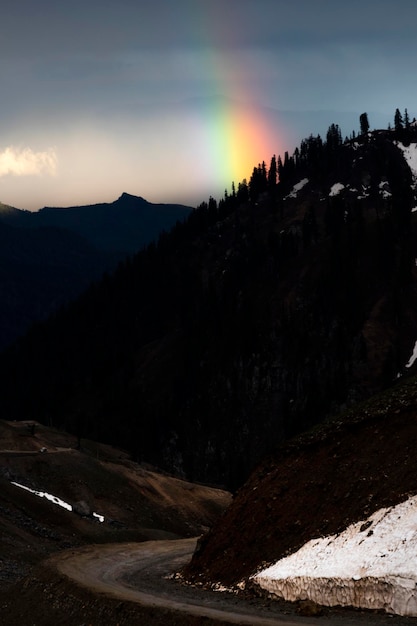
127 197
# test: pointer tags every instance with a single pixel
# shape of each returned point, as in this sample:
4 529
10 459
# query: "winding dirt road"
140 572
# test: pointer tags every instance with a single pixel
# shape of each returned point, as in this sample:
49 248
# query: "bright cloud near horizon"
174 101
25 162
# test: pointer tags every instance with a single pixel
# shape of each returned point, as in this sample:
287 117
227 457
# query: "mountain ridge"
315 485
247 323
49 257
123 226
267 343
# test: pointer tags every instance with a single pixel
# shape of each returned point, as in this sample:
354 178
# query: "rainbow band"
235 133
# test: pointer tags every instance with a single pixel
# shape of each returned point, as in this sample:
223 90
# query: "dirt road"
139 572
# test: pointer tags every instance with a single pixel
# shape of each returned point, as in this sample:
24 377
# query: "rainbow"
236 140
228 140
233 138
221 133
237 134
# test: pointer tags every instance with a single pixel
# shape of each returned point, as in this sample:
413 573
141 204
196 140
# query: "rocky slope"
249 323
282 505
137 503
316 485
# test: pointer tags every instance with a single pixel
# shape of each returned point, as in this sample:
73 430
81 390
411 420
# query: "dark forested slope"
40 271
251 321
49 257
123 226
316 485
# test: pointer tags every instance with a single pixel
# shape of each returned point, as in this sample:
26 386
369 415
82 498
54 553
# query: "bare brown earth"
128 584
137 502
314 486
58 567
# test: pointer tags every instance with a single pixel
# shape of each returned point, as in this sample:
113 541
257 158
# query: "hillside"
49 257
40 271
123 226
316 486
250 322
134 502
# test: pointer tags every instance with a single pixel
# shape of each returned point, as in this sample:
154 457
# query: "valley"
58 565
208 313
265 345
137 504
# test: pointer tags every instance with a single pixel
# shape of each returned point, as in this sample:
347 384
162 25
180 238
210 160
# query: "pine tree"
280 166
272 174
364 123
296 157
398 120
243 191
406 120
333 137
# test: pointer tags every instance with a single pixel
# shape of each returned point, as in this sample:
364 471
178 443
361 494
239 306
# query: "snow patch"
410 155
336 189
384 189
297 188
413 357
54 499
47 496
370 565
365 193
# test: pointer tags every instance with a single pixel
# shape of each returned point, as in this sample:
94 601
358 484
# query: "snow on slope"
371 565
54 499
336 189
413 357
410 155
297 188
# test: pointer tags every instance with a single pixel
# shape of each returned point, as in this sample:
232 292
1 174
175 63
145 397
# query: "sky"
173 101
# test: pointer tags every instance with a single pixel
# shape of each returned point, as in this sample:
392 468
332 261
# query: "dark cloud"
46 25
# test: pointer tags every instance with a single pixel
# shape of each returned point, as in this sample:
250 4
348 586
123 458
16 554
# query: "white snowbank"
297 188
372 565
336 189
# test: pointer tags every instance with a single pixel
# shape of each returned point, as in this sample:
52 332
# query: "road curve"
137 572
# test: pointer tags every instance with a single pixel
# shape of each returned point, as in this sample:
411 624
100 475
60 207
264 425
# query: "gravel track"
141 573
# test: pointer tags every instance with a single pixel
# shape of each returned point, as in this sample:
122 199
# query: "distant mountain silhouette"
49 257
7 211
247 323
122 226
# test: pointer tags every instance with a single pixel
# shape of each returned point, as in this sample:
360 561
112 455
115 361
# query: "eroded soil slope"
316 485
137 502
